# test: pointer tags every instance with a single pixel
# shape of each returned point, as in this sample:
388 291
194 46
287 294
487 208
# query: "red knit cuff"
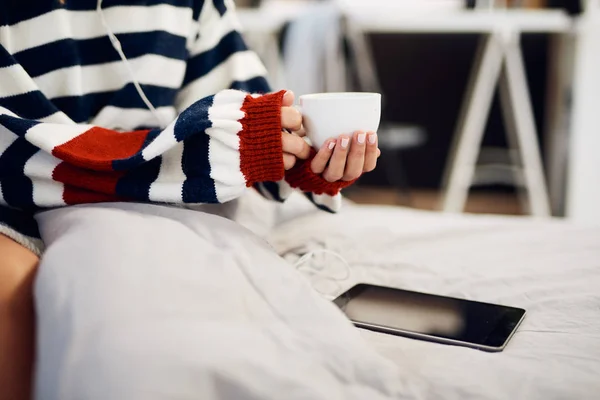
261 152
302 177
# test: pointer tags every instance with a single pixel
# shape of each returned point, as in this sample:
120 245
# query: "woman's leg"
17 319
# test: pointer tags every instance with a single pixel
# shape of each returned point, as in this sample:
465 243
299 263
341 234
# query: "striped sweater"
74 129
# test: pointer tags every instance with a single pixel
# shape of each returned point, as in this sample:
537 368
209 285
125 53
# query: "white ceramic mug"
328 115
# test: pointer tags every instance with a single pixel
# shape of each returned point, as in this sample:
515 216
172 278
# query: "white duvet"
550 268
148 302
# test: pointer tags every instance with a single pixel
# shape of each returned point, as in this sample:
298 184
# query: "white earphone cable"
318 271
117 46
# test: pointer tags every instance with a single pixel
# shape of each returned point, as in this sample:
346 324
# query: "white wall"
583 186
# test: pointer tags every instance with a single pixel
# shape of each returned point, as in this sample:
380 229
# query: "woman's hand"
347 157
294 146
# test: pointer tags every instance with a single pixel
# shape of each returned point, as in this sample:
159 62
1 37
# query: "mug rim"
339 95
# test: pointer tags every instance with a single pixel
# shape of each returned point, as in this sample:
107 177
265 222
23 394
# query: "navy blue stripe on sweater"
273 189
17 189
81 108
22 10
203 63
199 186
69 52
321 207
197 9
6 60
136 183
138 160
13 159
17 126
32 105
194 119
254 85
20 221
220 6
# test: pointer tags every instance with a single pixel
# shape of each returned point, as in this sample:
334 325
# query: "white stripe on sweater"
168 186
6 111
58 117
14 80
64 24
241 66
212 27
333 203
130 118
6 139
80 80
49 136
284 190
224 144
48 193
163 142
41 165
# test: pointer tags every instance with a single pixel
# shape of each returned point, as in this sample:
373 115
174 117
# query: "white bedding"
550 268
146 302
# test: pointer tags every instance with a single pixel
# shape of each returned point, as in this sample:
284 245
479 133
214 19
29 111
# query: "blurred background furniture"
552 53
498 61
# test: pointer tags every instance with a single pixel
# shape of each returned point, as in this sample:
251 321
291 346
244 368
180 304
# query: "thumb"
288 99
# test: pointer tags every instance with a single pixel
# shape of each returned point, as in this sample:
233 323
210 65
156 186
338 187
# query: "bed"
201 308
551 268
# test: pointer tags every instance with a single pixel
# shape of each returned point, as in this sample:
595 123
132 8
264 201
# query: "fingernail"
361 138
331 145
345 142
372 138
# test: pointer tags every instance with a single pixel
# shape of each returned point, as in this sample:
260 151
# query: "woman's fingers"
288 99
371 153
295 145
300 132
289 160
335 171
291 119
356 157
319 163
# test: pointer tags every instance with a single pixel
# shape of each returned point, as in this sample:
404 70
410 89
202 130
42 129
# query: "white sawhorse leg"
462 159
513 87
495 50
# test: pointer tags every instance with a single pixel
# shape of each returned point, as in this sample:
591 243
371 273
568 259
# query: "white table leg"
462 159
559 82
510 126
524 127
